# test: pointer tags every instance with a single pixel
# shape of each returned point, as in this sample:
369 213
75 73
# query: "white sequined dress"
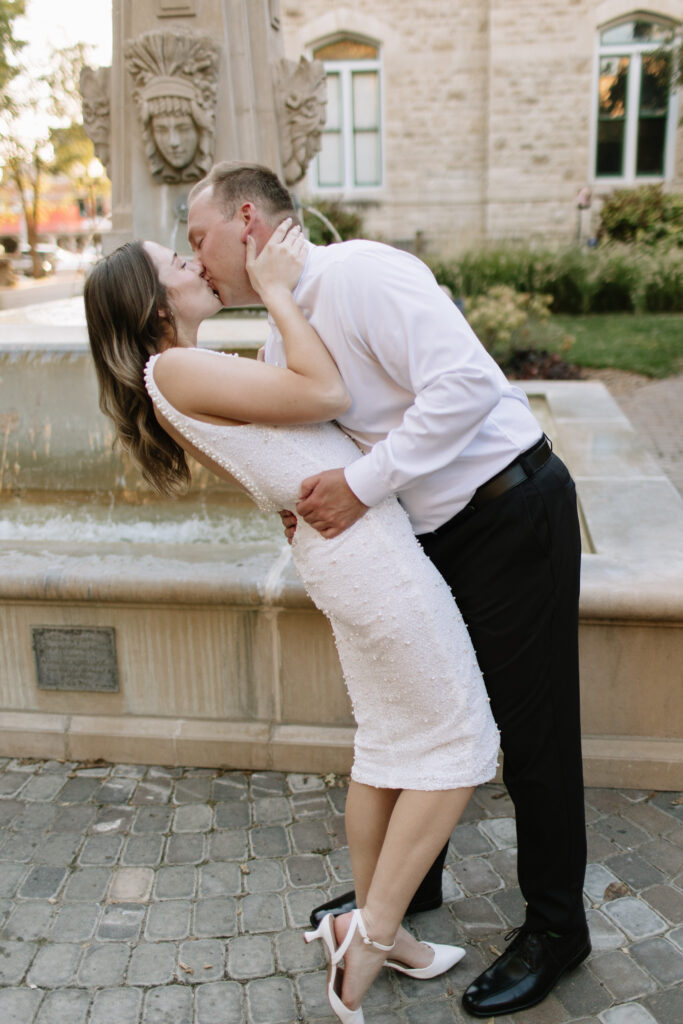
419 701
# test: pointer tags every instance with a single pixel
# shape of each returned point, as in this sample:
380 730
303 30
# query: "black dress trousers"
513 567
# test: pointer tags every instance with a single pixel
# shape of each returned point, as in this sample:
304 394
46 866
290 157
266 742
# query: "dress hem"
424 785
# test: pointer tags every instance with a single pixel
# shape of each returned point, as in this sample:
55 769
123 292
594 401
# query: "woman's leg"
368 811
414 833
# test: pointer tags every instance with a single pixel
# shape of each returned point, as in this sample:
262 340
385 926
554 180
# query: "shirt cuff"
363 481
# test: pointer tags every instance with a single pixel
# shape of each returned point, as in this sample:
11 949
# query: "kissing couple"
429 520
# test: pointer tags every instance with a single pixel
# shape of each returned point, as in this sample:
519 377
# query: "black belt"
524 466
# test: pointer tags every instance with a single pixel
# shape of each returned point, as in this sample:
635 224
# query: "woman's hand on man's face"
280 262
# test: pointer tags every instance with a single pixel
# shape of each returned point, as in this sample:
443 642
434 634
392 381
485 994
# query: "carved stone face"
96 118
308 127
301 96
176 137
175 76
96 106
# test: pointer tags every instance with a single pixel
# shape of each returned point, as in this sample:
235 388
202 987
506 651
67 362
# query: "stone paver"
655 409
134 895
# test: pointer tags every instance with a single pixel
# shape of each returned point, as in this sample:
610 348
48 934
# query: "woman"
425 733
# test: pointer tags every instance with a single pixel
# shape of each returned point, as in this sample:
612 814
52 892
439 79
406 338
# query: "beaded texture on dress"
417 693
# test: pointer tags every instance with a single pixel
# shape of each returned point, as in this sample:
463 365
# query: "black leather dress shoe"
345 903
526 972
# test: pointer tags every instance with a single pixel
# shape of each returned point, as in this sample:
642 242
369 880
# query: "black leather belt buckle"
524 466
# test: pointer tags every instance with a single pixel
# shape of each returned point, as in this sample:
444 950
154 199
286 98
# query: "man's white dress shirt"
435 411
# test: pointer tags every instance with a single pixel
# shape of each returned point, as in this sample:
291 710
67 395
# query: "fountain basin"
221 659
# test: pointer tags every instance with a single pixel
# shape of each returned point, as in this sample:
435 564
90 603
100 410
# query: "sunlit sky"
53 24
58 23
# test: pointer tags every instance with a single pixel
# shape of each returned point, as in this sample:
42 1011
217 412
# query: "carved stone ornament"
175 76
301 101
95 92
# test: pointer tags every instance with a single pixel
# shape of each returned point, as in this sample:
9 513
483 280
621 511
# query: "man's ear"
248 214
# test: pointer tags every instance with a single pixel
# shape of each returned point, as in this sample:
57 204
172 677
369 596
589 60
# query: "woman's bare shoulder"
195 380
174 364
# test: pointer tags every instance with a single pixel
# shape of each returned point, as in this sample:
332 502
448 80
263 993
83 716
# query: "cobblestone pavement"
134 895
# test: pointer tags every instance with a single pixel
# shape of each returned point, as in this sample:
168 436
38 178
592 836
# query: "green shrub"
663 285
564 274
646 214
506 320
348 222
617 279
614 277
447 273
485 268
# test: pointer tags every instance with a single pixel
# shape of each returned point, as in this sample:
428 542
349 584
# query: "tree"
10 47
61 144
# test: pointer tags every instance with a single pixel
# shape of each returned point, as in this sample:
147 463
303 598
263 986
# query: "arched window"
351 155
635 118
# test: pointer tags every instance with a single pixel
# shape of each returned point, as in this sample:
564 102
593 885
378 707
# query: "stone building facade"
487 120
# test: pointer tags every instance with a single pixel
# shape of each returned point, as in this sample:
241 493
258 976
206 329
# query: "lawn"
649 343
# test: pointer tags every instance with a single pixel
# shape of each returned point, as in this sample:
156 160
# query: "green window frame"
635 116
351 156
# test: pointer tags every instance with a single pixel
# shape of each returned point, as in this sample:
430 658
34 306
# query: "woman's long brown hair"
129 319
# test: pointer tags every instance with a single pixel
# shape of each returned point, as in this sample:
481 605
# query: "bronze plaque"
75 658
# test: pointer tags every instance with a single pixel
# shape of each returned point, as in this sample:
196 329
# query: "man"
490 504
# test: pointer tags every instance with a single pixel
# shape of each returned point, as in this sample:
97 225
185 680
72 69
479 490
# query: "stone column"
245 33
194 82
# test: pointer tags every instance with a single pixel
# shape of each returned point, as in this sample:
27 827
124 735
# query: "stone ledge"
177 741
37 339
618 761
256 574
633 761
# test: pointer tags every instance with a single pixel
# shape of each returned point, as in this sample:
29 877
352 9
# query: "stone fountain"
163 633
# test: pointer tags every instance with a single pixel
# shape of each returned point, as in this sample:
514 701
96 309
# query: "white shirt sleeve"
425 345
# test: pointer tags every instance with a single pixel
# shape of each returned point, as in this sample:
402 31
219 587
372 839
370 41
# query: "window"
351 155
635 117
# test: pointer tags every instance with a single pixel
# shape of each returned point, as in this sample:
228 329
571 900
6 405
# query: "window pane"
610 155
652 111
330 160
651 145
346 49
333 119
654 88
367 158
637 32
365 99
612 87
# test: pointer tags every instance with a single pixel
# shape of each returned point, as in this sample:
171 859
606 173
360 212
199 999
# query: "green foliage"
348 222
646 214
72 148
614 277
565 274
662 290
506 320
62 78
53 92
615 280
475 272
10 47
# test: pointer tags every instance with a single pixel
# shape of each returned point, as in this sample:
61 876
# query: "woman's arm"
309 390
273 274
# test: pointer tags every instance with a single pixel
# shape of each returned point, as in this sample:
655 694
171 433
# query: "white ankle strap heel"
358 924
325 931
445 957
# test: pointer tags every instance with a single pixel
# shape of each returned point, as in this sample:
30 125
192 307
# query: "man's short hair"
232 183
